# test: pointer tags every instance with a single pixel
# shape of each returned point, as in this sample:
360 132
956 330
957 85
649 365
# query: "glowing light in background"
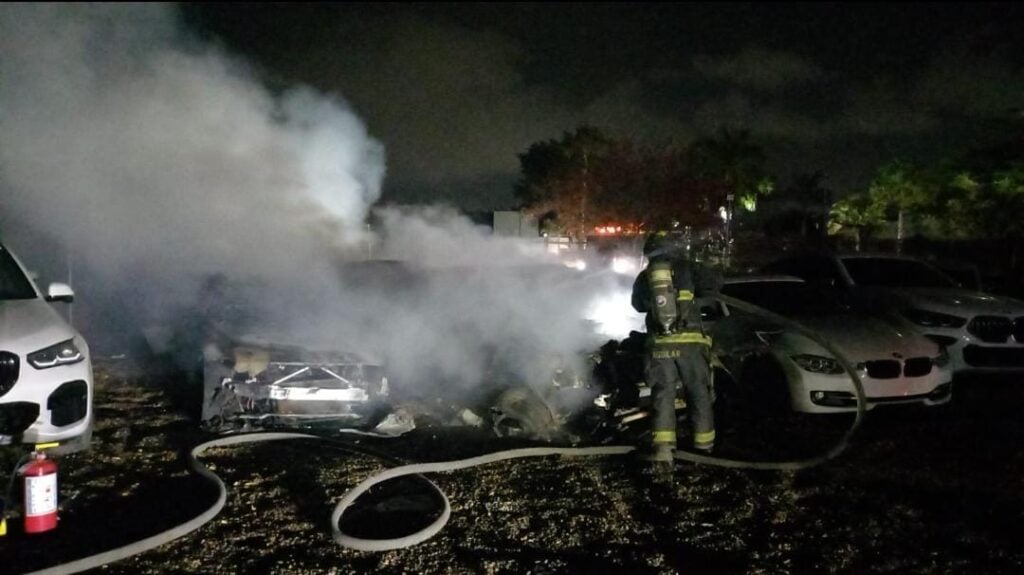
614 316
625 265
576 264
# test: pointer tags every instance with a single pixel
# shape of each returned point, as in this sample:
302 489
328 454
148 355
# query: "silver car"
777 363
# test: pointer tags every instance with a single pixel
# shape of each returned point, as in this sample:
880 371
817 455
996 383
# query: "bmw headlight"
63 353
927 318
817 363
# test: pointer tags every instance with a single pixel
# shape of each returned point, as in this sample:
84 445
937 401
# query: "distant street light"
729 213
583 200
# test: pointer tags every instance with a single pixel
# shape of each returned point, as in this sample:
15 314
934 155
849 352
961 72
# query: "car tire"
520 412
764 382
730 403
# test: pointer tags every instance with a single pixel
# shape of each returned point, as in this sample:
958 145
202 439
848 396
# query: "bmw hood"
30 325
957 301
861 338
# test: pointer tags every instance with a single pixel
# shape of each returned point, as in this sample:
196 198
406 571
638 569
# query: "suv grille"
9 371
990 328
917 366
1018 329
17 416
980 356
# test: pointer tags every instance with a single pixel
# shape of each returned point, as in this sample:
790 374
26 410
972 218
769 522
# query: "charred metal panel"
253 387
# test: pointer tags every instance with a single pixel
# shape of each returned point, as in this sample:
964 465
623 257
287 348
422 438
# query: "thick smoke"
156 160
160 163
456 308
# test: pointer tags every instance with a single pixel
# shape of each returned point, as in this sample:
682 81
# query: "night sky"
455 92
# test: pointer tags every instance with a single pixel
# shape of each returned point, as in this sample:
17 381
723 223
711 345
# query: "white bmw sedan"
46 379
776 362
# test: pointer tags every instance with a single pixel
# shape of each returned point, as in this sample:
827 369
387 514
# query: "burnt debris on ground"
919 491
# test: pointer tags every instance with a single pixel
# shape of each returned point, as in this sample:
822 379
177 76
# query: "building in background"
515 224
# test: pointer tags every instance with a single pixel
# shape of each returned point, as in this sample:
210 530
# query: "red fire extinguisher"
40 476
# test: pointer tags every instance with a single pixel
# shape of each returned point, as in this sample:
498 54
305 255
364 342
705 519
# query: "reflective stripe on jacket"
685 337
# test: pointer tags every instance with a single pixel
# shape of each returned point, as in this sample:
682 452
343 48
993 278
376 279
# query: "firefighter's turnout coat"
679 353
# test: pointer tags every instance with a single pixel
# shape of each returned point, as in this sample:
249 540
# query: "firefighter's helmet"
659 244
681 245
654 242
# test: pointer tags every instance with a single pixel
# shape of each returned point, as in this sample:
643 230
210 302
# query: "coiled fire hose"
435 527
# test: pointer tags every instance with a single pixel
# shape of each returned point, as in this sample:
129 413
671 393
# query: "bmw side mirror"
60 292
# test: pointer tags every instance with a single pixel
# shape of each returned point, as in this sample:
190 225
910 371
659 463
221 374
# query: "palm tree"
735 160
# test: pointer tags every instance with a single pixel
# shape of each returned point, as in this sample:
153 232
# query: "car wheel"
730 402
764 382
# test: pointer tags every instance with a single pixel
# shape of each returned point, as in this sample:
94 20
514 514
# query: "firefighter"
678 351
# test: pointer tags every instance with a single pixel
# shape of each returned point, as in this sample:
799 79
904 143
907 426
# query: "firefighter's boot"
663 463
663 453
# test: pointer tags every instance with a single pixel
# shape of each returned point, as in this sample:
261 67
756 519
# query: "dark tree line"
587 178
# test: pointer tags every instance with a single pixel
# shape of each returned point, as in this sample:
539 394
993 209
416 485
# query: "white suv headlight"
63 353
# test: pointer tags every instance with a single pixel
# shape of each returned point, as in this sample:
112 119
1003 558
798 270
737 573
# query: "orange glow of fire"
616 229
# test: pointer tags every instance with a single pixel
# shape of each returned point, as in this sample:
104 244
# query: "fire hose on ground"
438 524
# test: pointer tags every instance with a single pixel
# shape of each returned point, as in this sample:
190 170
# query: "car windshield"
13 283
894 272
787 298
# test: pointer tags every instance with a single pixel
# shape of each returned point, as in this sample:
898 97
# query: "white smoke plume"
159 162
450 307
147 154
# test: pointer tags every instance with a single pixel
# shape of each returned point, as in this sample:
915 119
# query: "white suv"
982 332
46 381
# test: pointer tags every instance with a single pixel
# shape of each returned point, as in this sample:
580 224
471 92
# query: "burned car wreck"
252 369
260 370
251 385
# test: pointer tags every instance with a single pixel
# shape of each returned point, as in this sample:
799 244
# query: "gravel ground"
918 491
